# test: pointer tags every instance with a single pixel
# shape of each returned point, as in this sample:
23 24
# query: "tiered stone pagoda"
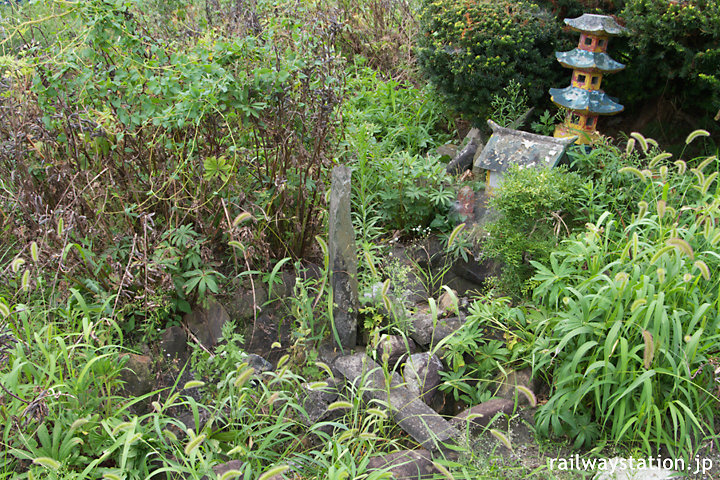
584 99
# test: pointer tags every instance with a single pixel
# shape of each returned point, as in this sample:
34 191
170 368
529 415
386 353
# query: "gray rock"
464 160
206 323
283 286
406 465
395 348
493 411
507 385
245 304
173 342
448 302
258 363
315 402
448 151
426 333
374 296
269 328
422 423
343 259
476 271
137 375
422 376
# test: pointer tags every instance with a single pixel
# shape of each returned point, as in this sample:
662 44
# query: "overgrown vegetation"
156 154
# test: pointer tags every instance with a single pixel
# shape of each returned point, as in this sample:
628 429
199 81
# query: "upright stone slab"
343 259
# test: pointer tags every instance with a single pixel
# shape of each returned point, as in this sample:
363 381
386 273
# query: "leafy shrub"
673 52
396 115
535 209
126 139
472 50
575 8
414 193
632 318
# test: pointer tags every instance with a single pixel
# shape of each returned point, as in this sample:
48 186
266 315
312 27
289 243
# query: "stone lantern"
584 99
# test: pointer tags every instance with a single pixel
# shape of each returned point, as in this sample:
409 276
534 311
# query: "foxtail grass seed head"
4 310
193 384
695 134
34 252
170 435
25 283
244 216
641 141
244 376
649 351
708 183
502 438
273 472
532 400
642 208
634 171
47 462
60 226
317 385
111 476
376 412
681 245
663 172
238 450
637 304
687 278
339 405
122 427
661 206
194 443
16 264
230 474
681 166
704 270
701 166
456 231
660 272
630 146
446 473
659 158
715 240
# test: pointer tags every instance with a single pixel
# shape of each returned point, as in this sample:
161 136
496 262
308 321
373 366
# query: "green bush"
472 50
673 52
535 211
630 332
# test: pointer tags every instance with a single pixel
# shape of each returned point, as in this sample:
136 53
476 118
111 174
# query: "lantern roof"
587 60
592 23
507 147
585 101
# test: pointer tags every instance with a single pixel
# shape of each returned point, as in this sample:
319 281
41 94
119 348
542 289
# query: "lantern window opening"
594 79
588 40
576 119
601 42
581 78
